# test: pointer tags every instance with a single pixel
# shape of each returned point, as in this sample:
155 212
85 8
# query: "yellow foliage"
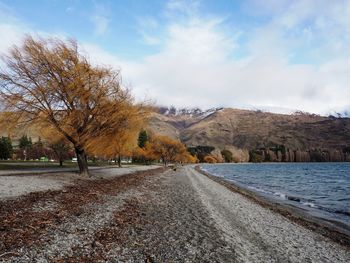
168 150
48 81
210 159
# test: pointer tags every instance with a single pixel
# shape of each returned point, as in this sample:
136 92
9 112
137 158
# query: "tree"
166 149
61 149
186 157
200 151
143 138
25 142
122 141
49 82
255 157
144 155
6 149
210 159
37 150
227 156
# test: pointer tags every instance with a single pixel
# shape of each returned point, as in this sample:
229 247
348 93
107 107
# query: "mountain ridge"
244 131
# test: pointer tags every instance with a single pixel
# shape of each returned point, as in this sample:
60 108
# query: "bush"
200 151
227 156
255 157
210 159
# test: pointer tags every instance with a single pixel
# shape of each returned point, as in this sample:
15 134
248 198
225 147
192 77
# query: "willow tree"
167 149
121 142
49 81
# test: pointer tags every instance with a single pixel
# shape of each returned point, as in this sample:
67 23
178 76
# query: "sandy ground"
24 183
169 216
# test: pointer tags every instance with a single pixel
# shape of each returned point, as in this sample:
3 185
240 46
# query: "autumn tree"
145 155
140 155
186 157
49 81
168 150
61 150
121 142
201 151
210 159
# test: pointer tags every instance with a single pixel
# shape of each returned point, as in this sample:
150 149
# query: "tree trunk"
61 162
119 161
82 161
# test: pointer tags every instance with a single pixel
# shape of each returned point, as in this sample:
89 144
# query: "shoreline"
334 230
158 215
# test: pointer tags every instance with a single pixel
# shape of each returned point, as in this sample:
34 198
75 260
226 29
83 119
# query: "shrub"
210 159
227 156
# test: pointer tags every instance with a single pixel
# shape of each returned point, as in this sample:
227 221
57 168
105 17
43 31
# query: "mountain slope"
247 130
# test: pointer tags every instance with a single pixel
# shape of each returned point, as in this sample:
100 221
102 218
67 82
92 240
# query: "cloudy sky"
277 54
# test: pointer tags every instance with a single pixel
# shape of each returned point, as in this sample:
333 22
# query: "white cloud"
197 64
183 6
148 22
149 39
100 24
100 19
13 35
148 28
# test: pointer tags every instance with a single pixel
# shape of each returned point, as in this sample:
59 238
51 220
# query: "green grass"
25 165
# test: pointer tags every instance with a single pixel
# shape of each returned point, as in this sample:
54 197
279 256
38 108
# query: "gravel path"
169 216
24 182
258 234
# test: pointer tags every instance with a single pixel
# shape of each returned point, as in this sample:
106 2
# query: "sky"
279 55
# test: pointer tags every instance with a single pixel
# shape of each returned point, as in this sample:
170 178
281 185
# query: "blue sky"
277 54
118 26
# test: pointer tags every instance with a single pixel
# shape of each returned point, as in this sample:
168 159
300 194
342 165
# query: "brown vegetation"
165 149
48 82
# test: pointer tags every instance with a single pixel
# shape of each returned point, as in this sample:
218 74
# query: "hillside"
274 137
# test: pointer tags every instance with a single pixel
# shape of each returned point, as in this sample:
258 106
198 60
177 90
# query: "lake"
321 188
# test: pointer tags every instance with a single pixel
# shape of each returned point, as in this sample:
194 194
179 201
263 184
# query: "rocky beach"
156 215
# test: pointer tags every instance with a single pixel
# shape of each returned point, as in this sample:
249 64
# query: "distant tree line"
27 150
201 152
280 153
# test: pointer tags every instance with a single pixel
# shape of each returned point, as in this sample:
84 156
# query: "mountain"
268 136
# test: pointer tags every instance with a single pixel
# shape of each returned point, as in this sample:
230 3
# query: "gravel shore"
154 216
17 183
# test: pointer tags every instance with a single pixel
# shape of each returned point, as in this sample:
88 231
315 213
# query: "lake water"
322 188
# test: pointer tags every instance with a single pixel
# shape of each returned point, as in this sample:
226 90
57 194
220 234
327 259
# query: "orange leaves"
165 149
210 159
50 82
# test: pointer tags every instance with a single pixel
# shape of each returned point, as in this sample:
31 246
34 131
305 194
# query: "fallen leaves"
21 225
